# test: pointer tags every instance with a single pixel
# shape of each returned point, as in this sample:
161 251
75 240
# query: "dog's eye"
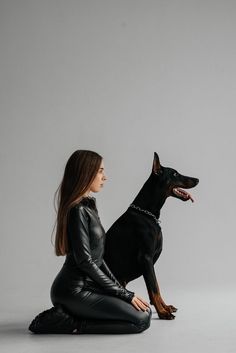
175 174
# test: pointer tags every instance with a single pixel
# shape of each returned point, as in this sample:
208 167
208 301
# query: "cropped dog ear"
156 167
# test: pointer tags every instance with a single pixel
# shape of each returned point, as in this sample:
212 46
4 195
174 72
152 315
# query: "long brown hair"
80 171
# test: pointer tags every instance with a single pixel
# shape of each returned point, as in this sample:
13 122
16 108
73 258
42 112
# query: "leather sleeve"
104 267
82 254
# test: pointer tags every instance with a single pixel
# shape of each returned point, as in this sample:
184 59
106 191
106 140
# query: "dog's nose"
197 181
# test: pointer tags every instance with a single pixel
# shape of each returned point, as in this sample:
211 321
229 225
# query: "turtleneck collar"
89 201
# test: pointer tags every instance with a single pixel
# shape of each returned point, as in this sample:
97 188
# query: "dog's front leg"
170 308
153 288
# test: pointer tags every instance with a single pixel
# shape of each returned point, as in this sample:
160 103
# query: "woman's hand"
139 303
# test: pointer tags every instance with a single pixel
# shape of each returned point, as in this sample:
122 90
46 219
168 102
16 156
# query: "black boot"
55 320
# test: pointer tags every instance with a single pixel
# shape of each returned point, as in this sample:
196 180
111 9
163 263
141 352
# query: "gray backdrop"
123 78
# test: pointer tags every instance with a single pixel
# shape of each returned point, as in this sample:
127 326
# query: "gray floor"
205 322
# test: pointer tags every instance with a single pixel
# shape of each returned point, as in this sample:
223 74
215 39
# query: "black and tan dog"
134 241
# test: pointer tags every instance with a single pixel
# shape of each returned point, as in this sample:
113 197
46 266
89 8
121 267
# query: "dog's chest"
158 240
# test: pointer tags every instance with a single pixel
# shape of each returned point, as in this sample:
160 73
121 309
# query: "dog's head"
171 181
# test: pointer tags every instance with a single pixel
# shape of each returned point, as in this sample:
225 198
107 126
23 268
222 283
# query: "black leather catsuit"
86 287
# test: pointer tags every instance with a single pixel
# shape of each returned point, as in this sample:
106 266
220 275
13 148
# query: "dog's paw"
170 308
166 315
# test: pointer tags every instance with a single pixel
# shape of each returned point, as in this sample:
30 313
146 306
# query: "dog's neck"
150 198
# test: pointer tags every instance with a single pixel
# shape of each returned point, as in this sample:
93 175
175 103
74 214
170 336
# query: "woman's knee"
144 321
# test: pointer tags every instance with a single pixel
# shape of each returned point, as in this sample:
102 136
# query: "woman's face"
99 179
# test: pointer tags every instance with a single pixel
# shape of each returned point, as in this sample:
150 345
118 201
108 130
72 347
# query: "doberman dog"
134 241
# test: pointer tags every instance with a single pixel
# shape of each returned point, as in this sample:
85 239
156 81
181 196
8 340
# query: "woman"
87 297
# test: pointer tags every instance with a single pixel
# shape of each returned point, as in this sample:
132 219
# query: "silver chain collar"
145 211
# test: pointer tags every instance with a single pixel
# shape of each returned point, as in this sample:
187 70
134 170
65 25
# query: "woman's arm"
82 254
104 267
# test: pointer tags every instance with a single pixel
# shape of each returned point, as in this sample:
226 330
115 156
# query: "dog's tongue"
186 194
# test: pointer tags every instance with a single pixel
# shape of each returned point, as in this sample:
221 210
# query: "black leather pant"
98 312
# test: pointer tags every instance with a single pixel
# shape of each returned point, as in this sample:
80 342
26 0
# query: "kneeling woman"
87 297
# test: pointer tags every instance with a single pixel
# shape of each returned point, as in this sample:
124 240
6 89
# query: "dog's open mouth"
182 194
